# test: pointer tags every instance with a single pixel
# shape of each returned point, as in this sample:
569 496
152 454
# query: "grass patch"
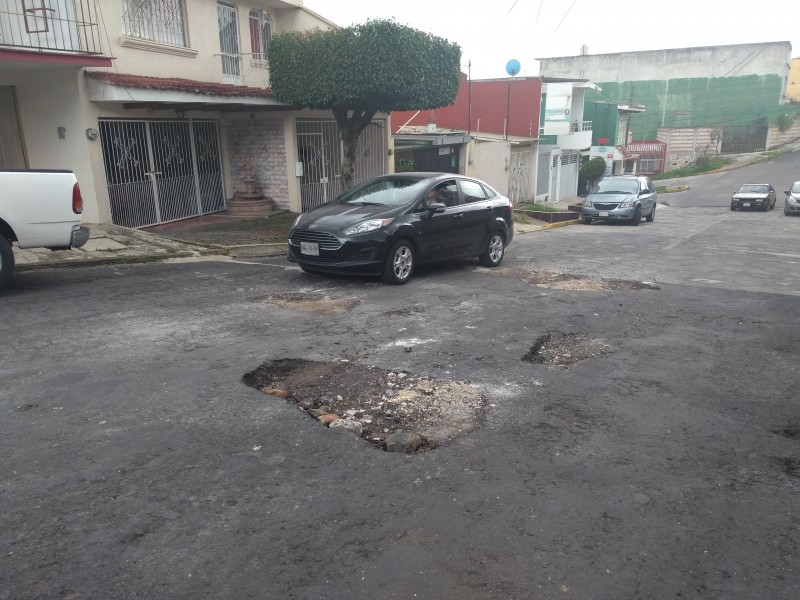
663 189
539 207
520 218
711 165
769 155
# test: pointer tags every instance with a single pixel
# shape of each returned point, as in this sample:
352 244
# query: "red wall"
489 99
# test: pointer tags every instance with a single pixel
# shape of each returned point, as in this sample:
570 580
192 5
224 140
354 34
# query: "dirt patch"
579 283
792 432
564 349
789 466
316 304
383 407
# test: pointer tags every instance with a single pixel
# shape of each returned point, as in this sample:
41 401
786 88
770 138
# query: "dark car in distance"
622 198
758 196
387 225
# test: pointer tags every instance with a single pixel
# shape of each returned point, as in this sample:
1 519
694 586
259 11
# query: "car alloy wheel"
494 252
399 263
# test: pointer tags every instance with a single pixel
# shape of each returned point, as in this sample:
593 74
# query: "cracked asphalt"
137 464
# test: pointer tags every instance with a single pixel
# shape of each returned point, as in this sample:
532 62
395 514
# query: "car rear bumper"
80 235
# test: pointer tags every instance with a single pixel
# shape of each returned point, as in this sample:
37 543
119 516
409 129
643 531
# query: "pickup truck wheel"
6 262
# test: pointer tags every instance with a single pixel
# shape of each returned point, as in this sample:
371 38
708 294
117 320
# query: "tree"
593 170
358 71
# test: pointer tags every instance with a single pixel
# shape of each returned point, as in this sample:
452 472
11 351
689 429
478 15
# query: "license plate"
310 248
603 213
746 204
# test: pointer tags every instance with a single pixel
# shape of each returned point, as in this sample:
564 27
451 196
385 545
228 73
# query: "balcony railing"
50 25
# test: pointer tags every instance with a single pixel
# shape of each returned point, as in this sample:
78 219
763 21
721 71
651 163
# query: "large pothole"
395 411
313 303
565 349
579 283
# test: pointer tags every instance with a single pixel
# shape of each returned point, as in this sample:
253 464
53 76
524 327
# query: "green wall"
696 102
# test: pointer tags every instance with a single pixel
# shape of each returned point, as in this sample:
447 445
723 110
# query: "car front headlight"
794 199
367 226
587 203
630 202
296 221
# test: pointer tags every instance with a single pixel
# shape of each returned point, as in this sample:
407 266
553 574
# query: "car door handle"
459 216
489 208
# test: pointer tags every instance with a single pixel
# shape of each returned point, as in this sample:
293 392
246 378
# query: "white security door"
229 43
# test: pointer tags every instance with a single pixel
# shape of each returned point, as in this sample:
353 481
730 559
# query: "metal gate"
569 176
320 150
161 171
520 178
741 139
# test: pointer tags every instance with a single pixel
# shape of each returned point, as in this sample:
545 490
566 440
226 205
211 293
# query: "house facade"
161 106
732 95
515 135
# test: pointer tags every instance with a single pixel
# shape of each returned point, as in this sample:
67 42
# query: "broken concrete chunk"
404 441
317 412
327 419
275 392
348 425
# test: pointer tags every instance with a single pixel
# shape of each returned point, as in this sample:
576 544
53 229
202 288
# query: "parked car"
621 198
758 196
791 205
38 209
387 225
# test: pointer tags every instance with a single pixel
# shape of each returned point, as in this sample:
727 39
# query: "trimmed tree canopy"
378 66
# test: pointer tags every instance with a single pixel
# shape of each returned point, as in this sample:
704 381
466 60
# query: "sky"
492 32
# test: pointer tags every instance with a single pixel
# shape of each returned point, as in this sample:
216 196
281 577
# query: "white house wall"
678 63
489 160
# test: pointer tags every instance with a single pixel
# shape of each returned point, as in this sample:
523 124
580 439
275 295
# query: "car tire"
766 206
400 263
586 220
6 262
495 251
637 216
786 210
733 208
652 216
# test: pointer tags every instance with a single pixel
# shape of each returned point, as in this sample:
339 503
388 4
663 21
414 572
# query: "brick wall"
778 138
260 140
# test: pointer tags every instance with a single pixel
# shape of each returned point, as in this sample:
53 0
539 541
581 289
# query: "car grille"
326 241
600 206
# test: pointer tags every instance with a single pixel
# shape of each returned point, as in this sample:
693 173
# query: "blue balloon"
512 67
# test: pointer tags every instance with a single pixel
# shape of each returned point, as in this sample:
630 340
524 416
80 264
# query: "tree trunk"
351 124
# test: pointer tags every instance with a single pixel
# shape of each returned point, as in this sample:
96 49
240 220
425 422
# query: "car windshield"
390 191
616 186
754 189
795 189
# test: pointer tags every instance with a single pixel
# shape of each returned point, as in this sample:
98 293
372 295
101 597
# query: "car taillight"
77 200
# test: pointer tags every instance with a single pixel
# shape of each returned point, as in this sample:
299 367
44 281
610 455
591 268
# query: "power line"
565 15
536 22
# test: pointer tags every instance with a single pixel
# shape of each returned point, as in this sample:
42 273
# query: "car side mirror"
436 207
786 192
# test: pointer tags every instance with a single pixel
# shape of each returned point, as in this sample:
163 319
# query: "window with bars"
260 33
161 21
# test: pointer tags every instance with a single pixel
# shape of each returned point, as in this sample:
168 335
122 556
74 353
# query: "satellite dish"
512 67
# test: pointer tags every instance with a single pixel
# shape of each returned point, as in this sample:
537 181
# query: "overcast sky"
490 32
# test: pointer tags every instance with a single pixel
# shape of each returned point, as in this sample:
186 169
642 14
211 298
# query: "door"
441 234
647 195
227 18
478 217
160 171
12 153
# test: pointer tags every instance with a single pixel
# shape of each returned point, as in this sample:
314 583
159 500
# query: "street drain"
564 349
313 303
395 411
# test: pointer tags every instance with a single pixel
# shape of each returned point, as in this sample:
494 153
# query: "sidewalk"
111 244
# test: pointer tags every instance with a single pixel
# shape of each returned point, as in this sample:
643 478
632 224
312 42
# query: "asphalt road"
136 464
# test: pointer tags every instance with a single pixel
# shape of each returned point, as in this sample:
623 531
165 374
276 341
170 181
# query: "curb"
562 224
99 262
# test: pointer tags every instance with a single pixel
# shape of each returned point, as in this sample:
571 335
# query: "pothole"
793 432
395 411
564 349
789 466
579 283
313 303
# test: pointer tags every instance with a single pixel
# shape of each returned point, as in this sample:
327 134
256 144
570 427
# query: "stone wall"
261 140
686 144
777 137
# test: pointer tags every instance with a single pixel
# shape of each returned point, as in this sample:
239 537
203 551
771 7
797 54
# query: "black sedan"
387 225
758 196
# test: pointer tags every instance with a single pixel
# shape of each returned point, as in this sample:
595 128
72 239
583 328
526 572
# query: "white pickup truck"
38 209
